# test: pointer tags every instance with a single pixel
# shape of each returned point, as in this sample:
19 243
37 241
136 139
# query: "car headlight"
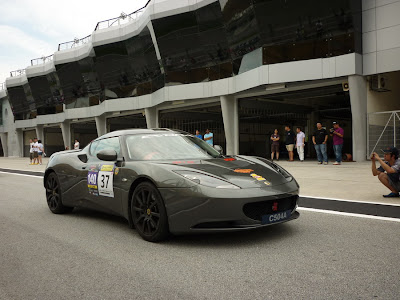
206 180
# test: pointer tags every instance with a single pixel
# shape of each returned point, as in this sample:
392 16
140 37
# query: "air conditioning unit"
379 83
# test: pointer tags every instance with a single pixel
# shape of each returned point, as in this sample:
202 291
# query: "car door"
101 177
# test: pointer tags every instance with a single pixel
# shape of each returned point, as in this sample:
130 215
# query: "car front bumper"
204 209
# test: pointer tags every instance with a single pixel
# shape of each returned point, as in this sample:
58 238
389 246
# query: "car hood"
245 172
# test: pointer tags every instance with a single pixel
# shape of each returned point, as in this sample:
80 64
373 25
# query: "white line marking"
346 200
332 212
36 176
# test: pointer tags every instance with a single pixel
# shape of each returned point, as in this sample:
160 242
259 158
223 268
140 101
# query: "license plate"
276 217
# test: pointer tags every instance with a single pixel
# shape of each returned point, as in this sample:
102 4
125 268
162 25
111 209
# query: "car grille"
256 210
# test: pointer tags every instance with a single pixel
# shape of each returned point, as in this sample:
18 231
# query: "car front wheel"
148 213
54 196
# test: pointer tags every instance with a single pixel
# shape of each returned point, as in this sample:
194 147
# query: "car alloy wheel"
148 213
53 195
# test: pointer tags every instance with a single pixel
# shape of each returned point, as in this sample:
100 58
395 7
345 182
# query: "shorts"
31 155
35 154
40 153
274 148
396 184
290 147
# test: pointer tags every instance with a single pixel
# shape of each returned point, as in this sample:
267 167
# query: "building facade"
238 68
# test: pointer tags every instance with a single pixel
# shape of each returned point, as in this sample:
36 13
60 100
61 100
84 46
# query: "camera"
331 130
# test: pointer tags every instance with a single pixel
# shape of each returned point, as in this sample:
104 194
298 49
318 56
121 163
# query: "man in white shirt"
300 138
30 151
76 145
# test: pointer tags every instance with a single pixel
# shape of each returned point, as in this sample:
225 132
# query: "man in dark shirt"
319 139
289 141
388 172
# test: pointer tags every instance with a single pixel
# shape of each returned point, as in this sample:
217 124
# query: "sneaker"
320 162
392 195
336 163
325 163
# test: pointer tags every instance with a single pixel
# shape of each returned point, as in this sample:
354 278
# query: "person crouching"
388 172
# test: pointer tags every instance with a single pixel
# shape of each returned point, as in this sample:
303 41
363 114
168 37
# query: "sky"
32 29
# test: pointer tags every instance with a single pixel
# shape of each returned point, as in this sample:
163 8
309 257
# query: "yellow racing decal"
107 168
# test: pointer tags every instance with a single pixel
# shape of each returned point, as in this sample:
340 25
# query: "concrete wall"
381 36
385 101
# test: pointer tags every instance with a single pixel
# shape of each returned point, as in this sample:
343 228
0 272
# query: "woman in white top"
76 145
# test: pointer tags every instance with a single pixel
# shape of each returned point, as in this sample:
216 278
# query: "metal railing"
383 130
41 60
122 19
17 73
74 43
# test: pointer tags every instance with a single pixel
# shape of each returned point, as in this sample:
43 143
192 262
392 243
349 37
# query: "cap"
392 150
334 123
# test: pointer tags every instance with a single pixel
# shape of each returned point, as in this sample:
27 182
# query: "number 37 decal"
105 183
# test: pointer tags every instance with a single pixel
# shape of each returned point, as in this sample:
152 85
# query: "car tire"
54 195
148 213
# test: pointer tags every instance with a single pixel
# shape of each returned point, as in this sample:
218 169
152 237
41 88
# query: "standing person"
35 151
199 135
209 137
319 139
31 151
289 141
76 144
275 144
40 151
388 172
300 138
337 132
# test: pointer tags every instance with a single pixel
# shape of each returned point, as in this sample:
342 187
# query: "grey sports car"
167 181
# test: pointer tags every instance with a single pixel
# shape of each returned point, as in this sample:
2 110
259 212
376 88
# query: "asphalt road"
89 255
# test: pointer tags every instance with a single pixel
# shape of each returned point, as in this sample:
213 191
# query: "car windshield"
168 146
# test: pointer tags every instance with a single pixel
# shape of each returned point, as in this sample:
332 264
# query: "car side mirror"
219 149
107 155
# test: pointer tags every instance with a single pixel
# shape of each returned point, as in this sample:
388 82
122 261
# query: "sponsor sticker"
116 171
243 171
100 180
257 177
107 168
229 159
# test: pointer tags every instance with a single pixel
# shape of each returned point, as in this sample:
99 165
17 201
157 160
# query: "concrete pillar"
20 142
66 133
230 115
151 114
101 125
358 101
4 143
40 133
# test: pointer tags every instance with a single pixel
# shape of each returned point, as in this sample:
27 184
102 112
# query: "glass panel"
128 68
73 88
241 29
111 143
251 60
19 103
193 43
168 146
46 101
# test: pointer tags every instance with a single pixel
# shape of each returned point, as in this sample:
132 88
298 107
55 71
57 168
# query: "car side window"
110 143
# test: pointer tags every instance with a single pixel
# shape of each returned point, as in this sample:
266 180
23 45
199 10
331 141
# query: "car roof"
140 131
